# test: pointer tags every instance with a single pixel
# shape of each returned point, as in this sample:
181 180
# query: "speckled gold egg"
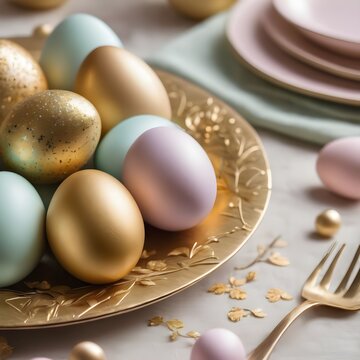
38 4
200 9
121 85
49 136
94 227
20 76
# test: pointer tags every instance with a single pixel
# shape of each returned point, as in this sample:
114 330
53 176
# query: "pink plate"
250 41
292 41
333 24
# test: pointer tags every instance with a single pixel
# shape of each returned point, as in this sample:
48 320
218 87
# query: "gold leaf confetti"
156 321
259 313
261 249
193 334
219 289
238 294
280 243
174 324
174 335
236 314
275 294
38 285
5 349
146 254
251 276
277 259
147 283
181 251
156 265
237 282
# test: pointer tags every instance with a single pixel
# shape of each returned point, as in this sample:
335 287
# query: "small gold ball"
38 4
43 31
87 350
328 223
200 9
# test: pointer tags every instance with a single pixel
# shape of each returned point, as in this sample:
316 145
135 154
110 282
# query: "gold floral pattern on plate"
172 261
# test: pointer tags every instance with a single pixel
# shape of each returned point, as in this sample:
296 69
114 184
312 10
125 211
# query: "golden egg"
94 227
328 223
87 350
38 4
121 85
49 136
200 9
20 76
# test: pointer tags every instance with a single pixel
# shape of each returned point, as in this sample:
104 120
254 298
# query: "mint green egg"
22 228
111 152
68 46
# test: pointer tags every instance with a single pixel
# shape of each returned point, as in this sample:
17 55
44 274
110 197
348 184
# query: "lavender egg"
338 167
171 178
218 344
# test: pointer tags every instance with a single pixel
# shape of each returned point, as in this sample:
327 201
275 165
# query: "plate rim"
262 74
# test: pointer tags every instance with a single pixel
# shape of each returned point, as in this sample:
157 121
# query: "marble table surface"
297 197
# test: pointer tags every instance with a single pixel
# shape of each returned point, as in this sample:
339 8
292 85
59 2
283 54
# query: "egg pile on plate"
89 96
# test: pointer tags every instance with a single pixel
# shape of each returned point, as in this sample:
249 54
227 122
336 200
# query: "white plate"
291 41
250 41
334 24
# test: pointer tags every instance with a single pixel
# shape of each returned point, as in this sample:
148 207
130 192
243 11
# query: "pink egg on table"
338 166
171 178
218 344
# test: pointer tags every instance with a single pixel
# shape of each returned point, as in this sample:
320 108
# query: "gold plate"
172 261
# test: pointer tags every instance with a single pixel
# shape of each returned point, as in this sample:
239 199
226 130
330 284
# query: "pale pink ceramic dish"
252 45
334 24
294 43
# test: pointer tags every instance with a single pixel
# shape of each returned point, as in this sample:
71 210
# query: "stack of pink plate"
309 46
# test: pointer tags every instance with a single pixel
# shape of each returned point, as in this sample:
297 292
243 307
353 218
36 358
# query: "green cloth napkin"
204 56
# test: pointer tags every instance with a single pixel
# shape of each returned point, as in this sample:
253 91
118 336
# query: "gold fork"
317 293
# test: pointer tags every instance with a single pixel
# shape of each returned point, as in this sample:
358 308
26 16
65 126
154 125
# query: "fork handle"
263 351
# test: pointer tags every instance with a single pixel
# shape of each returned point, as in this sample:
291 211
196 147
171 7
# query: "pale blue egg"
68 46
22 228
111 152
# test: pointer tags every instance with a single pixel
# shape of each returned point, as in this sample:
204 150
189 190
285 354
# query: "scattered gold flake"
251 276
274 295
5 349
147 283
156 265
193 334
219 289
146 254
236 314
173 326
238 294
38 285
259 313
277 259
237 282
174 335
156 321
181 251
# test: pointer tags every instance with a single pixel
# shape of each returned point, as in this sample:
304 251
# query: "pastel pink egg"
338 166
218 344
171 178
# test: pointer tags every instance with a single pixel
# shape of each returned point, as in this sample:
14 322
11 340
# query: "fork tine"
355 286
325 282
346 278
311 280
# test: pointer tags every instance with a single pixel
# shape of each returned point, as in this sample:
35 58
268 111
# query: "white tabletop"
144 26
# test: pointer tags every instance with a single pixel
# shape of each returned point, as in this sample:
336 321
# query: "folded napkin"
204 56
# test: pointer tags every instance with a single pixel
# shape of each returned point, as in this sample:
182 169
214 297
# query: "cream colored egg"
121 85
20 76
